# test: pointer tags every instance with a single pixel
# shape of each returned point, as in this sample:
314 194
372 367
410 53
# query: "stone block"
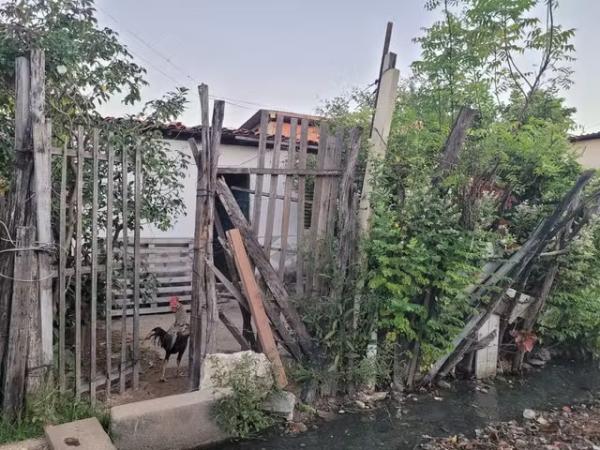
220 365
86 434
281 403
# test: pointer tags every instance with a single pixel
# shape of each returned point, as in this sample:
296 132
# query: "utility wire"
229 100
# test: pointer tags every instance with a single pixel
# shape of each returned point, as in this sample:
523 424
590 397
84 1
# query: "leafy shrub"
240 414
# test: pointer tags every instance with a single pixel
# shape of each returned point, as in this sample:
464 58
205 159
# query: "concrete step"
86 434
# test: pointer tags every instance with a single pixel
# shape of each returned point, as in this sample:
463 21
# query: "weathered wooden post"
382 121
43 203
204 313
27 204
24 301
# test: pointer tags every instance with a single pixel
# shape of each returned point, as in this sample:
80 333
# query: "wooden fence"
297 177
94 262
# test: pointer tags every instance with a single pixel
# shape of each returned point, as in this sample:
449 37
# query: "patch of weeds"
48 406
240 413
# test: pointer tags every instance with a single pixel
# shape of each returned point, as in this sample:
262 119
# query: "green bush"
240 414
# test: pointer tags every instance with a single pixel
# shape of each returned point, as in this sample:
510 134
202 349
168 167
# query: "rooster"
174 340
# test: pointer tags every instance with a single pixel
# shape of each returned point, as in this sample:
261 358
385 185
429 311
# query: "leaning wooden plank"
78 257
254 296
43 189
287 196
125 218
268 239
229 286
109 261
24 300
234 331
263 265
94 255
62 266
258 186
137 266
302 157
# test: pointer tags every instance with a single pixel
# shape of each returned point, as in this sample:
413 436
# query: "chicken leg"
164 369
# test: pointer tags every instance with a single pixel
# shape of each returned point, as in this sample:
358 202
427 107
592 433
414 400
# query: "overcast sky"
291 55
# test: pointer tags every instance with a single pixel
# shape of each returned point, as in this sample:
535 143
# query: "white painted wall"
240 156
588 153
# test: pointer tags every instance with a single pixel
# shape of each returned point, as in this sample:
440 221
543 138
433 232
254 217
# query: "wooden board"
137 266
268 239
486 359
78 258
125 216
62 282
302 159
94 281
255 301
109 258
258 187
287 197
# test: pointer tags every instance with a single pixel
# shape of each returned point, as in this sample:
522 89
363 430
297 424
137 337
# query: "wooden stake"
125 244
62 267
287 197
262 148
268 239
94 274
78 256
255 301
109 262
302 157
137 266
25 300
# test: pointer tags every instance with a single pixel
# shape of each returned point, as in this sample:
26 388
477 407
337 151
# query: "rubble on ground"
566 428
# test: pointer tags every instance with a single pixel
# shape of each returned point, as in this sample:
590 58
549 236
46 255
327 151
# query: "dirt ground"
566 428
151 357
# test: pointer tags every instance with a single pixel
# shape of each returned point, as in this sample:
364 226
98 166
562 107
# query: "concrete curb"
177 421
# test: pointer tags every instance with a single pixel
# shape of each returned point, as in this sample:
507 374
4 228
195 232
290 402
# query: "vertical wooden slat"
78 256
268 241
62 266
302 156
332 207
43 201
212 312
322 208
94 268
287 196
125 215
109 262
258 187
316 202
137 267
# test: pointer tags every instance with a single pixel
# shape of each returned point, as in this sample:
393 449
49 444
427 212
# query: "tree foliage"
430 242
86 65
